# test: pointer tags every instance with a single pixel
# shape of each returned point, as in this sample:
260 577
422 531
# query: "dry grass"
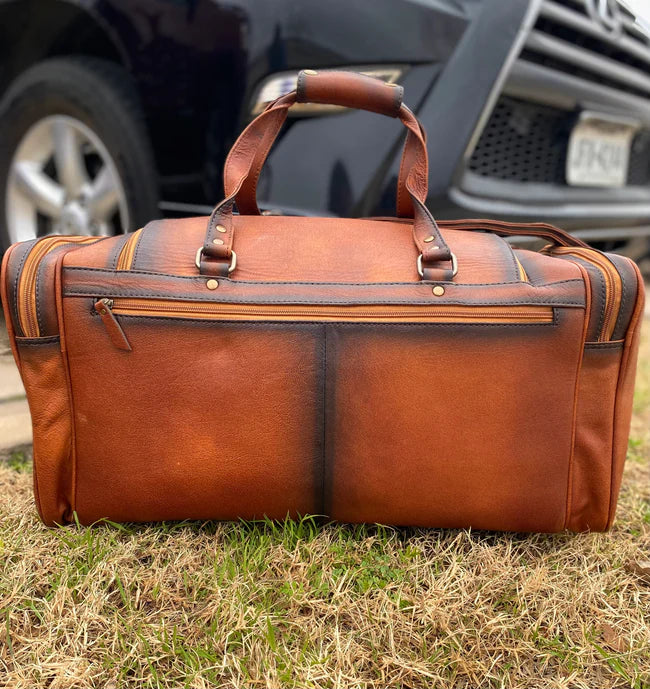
300 605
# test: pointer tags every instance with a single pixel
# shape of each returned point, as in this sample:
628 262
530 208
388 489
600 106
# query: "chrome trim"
586 59
539 193
560 208
580 22
550 87
231 267
454 265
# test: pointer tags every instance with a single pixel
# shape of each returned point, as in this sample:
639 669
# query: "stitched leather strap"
347 89
250 150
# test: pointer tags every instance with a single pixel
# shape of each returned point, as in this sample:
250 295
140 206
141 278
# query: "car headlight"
280 83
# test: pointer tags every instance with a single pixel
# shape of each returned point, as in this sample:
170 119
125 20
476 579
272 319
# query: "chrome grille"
568 37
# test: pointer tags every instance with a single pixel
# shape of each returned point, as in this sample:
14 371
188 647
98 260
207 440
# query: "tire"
101 97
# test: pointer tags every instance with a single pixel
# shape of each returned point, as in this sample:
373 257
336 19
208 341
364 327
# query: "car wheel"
74 153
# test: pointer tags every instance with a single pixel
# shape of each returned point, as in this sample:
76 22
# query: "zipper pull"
114 329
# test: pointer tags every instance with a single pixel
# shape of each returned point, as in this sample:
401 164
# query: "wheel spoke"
68 157
41 190
103 197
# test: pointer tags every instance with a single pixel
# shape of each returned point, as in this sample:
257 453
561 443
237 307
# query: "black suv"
114 111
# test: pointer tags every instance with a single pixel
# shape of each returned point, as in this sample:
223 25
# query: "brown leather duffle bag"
399 371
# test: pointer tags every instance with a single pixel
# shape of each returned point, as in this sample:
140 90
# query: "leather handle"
346 89
349 90
249 152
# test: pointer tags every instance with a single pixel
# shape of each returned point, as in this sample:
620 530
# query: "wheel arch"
40 29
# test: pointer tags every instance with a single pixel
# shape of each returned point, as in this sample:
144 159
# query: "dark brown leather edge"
628 298
13 268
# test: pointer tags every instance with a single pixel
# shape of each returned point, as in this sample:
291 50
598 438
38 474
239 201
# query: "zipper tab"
104 308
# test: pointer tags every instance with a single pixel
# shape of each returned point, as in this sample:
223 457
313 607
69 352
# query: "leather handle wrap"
350 90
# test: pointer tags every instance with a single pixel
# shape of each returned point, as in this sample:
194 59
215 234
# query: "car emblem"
608 14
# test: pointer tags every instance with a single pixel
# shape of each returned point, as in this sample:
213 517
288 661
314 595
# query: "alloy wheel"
63 180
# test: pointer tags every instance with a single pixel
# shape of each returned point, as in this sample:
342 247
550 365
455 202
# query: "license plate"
599 151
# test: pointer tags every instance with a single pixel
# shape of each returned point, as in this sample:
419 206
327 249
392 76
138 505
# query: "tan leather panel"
198 421
43 375
444 426
279 248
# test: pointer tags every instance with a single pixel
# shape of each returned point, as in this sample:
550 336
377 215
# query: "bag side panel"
625 394
43 375
593 446
42 369
606 389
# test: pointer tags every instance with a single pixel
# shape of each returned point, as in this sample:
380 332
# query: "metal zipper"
125 258
613 286
108 309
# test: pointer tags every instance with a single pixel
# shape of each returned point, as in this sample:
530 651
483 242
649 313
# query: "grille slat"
568 38
577 21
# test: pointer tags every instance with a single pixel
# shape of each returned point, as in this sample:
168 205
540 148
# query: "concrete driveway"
15 423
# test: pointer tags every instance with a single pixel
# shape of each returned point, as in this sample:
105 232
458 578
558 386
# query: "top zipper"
613 285
108 309
125 259
26 293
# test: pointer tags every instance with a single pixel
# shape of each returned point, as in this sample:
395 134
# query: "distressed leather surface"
510 425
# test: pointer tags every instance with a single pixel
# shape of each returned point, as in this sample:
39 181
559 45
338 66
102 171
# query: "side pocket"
42 369
625 393
593 446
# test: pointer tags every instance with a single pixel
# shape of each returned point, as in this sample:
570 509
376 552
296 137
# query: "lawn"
305 605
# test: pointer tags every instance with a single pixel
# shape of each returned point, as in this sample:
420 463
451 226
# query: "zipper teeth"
127 306
522 271
610 274
27 315
125 259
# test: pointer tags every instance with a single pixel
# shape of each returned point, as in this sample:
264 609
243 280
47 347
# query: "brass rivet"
433 248
311 72
438 290
217 241
103 312
221 228
212 284
428 239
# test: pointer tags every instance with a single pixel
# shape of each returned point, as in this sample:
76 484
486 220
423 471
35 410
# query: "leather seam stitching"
568 505
423 283
324 437
17 280
265 323
34 342
330 302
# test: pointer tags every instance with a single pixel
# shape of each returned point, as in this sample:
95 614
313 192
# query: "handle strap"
250 150
346 89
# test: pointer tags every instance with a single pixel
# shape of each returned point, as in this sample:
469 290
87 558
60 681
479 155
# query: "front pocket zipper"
159 308
613 285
